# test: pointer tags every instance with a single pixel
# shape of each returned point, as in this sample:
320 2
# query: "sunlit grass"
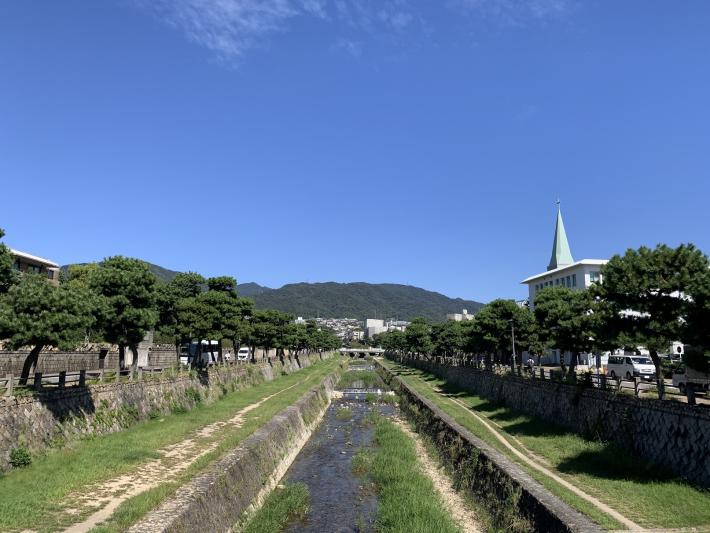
34 496
281 506
646 494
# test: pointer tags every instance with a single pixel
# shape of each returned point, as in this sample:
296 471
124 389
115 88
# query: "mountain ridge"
345 300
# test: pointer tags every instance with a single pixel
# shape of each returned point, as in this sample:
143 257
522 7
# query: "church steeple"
561 254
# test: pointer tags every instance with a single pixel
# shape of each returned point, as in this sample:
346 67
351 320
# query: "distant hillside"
360 300
345 300
251 289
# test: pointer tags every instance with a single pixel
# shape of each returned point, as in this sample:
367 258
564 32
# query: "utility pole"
512 335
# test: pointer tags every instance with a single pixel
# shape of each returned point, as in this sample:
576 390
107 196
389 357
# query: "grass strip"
34 497
407 499
281 507
368 379
628 484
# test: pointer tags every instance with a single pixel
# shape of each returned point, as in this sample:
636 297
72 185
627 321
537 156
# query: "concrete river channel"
341 500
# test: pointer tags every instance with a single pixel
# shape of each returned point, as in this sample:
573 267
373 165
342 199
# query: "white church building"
563 269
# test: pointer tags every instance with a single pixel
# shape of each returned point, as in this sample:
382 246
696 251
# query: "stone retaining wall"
668 433
53 417
514 499
236 484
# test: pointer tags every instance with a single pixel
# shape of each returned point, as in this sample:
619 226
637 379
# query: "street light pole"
512 335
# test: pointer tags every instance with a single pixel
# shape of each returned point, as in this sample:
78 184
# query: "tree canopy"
36 313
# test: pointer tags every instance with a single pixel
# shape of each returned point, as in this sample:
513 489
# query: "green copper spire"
561 254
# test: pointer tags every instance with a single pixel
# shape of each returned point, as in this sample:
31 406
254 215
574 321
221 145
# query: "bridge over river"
361 352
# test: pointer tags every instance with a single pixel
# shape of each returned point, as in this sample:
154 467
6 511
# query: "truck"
685 376
694 371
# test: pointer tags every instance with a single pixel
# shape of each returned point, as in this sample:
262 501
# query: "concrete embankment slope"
508 492
236 484
52 416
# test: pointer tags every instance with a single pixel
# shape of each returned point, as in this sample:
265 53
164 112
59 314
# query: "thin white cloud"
231 27
516 12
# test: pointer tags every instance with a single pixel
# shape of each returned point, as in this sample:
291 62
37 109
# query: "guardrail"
9 385
635 385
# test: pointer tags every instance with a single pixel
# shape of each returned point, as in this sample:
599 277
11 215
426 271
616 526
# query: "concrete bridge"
361 352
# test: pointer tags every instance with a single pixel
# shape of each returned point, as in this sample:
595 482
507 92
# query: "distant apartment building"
460 317
563 270
375 326
31 264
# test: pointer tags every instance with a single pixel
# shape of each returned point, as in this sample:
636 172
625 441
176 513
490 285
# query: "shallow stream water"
341 501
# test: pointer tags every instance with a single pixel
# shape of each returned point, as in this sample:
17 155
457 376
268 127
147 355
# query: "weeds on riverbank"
407 500
344 413
282 506
367 379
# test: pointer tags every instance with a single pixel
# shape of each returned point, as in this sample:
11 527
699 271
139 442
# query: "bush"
193 394
20 457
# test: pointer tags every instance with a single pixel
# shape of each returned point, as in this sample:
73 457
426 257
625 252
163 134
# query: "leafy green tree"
568 319
392 341
650 292
492 330
296 338
8 276
268 328
168 297
697 321
127 289
36 313
418 337
447 338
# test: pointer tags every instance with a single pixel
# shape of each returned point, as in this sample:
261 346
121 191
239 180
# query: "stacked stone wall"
671 434
52 417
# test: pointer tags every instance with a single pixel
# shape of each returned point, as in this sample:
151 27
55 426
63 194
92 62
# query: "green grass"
364 378
647 495
281 506
32 497
344 413
361 462
407 500
388 399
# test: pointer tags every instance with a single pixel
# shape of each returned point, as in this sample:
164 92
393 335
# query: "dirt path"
452 500
104 498
531 460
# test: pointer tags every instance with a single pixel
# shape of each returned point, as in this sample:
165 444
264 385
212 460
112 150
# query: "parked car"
684 376
243 354
631 366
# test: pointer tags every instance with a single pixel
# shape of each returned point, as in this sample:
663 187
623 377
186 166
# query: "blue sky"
396 141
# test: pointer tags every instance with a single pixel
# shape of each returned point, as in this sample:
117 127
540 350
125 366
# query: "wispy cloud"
518 12
231 27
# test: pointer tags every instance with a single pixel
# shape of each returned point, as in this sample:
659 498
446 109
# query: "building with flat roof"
460 317
32 264
563 270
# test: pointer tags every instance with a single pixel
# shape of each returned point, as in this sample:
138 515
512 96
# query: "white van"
630 366
243 354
